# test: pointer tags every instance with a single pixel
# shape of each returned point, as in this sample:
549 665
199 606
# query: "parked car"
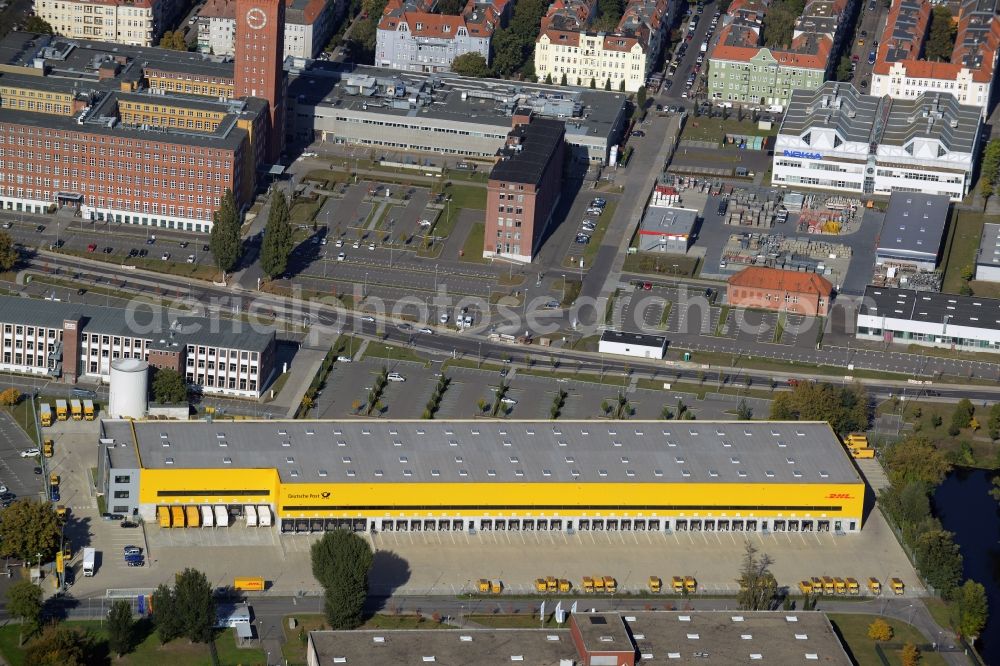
345 359
129 524
427 331
368 318
341 256
165 256
30 453
112 516
92 247
395 377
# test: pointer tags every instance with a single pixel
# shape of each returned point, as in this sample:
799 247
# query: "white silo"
129 388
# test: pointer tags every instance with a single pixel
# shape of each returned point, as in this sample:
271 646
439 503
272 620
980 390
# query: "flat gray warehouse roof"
914 224
989 246
495 452
931 307
703 637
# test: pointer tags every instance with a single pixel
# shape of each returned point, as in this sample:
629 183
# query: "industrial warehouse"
469 475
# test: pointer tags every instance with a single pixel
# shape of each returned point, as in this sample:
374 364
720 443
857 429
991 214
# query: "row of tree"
989 168
915 467
846 408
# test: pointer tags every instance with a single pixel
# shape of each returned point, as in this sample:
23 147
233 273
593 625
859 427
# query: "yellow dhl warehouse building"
484 475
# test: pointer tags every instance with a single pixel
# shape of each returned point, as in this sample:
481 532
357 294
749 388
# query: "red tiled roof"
775 279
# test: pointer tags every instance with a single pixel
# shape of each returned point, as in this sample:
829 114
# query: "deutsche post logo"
840 496
325 495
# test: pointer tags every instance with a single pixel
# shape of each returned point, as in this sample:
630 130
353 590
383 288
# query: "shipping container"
164 513
551 584
874 586
77 408
496 586
176 516
249 584
88 410
540 585
655 584
588 584
828 585
677 583
48 448
565 585
852 586
690 584
264 515
484 585
62 410
897 586
221 516
805 587
207 517
839 586
250 513
45 414
598 583
610 584
193 515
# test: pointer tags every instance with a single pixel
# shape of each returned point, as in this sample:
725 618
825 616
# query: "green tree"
224 241
470 64
844 68
166 616
640 98
508 52
562 81
120 628
743 411
844 407
939 561
993 422
193 602
277 244
59 645
449 7
9 254
941 36
962 416
989 167
24 600
757 585
169 387
341 561
916 459
38 26
973 610
607 84
28 528
173 40
780 20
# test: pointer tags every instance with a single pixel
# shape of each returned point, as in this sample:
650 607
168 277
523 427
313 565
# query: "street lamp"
563 298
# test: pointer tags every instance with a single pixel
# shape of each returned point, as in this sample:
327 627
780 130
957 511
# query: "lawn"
149 652
715 129
304 212
472 250
294 647
21 412
328 177
392 353
661 263
467 196
962 245
182 268
853 630
922 415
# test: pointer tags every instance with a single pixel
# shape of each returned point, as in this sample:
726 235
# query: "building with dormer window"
412 38
835 138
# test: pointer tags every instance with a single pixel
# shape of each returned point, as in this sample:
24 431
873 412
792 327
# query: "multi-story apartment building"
412 38
133 22
308 26
69 341
524 187
835 138
568 49
137 136
968 75
742 70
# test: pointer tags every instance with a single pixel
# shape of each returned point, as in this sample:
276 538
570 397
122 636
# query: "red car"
647 286
92 247
855 58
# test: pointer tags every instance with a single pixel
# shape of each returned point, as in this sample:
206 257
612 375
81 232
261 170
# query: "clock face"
256 18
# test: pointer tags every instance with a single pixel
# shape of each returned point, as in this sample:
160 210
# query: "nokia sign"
799 153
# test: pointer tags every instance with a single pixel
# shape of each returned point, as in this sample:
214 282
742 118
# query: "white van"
395 377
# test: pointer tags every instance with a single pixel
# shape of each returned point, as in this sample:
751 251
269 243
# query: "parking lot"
16 472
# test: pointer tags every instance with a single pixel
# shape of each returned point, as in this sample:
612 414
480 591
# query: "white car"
395 377
344 359
371 246
356 245
341 256
7 225
165 256
309 154
508 401
3 488
190 258
443 319
425 223
426 330
368 318
29 453
339 243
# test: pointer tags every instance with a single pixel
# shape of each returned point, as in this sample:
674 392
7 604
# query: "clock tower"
260 49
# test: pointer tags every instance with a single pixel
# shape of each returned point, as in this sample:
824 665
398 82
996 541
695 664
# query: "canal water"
965 507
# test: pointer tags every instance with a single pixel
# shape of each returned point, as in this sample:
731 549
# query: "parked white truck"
89 560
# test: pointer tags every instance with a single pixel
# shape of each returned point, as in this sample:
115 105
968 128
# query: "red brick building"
524 188
260 51
775 289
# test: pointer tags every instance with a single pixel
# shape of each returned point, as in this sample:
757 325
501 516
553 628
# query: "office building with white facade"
835 138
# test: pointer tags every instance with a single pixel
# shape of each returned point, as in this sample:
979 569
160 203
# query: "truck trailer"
264 515
250 513
164 514
193 515
221 515
89 560
207 516
177 516
77 408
